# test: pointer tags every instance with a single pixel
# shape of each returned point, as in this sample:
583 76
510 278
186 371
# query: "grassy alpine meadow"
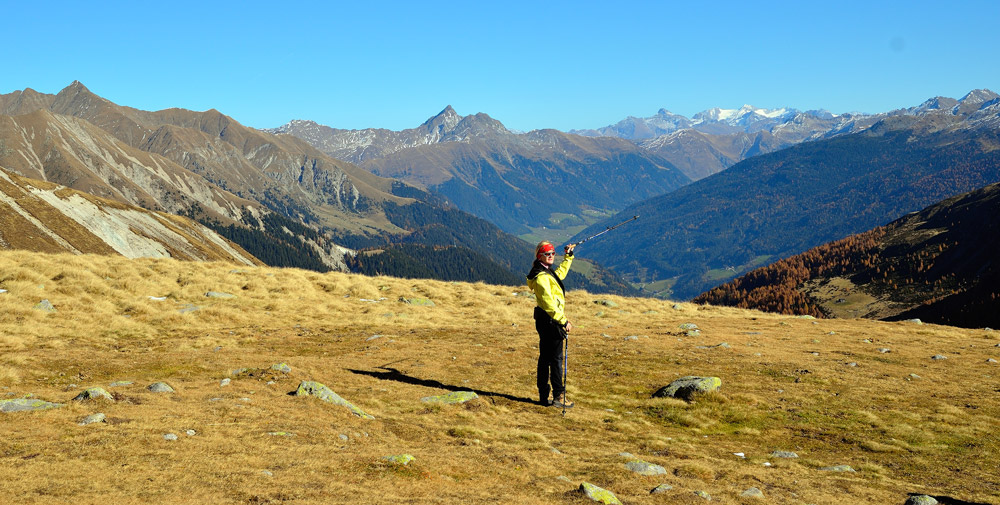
234 342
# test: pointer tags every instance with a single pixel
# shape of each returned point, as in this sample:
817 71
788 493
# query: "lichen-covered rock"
281 367
451 398
752 493
921 499
217 294
93 394
22 404
313 388
160 387
784 454
643 468
424 302
45 306
606 303
599 494
662 488
689 326
837 468
93 418
686 388
400 459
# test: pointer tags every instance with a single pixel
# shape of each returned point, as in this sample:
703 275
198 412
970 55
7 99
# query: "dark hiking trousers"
550 358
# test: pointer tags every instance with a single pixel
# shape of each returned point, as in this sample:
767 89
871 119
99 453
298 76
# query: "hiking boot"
562 402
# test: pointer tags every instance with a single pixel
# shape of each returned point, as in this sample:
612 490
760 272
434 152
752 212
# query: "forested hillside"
939 265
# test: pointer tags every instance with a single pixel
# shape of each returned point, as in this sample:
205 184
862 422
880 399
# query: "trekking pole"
633 218
565 372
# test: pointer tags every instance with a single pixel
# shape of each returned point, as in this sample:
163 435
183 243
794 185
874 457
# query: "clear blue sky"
548 64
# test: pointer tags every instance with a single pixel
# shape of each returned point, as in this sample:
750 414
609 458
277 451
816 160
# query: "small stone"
662 488
883 350
752 493
784 454
190 433
423 302
739 455
160 387
689 326
373 337
266 473
93 418
632 337
45 306
852 364
643 468
225 382
704 495
991 360
939 357
400 459
451 398
170 437
343 437
116 384
217 294
837 468
93 394
281 367
599 494
606 303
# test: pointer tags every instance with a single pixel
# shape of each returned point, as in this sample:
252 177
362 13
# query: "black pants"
550 357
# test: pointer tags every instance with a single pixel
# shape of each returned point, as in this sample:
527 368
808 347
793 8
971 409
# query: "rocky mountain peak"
978 96
444 121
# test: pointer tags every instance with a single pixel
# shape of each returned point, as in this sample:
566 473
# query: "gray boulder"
93 394
160 387
921 499
22 404
686 388
643 468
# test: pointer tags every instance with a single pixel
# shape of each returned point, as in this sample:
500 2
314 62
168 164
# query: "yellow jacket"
548 290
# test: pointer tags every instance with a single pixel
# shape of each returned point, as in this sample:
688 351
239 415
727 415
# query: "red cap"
544 249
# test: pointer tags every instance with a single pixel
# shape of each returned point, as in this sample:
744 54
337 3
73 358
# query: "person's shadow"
391 374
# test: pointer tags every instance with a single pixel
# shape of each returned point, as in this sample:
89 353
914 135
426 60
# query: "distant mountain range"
775 205
515 180
716 139
939 265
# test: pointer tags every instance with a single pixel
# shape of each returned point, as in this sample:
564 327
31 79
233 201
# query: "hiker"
550 321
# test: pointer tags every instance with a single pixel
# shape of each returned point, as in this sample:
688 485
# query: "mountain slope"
280 198
775 205
44 217
514 180
939 265
285 175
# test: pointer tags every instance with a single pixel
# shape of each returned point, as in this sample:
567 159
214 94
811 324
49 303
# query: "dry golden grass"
787 385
